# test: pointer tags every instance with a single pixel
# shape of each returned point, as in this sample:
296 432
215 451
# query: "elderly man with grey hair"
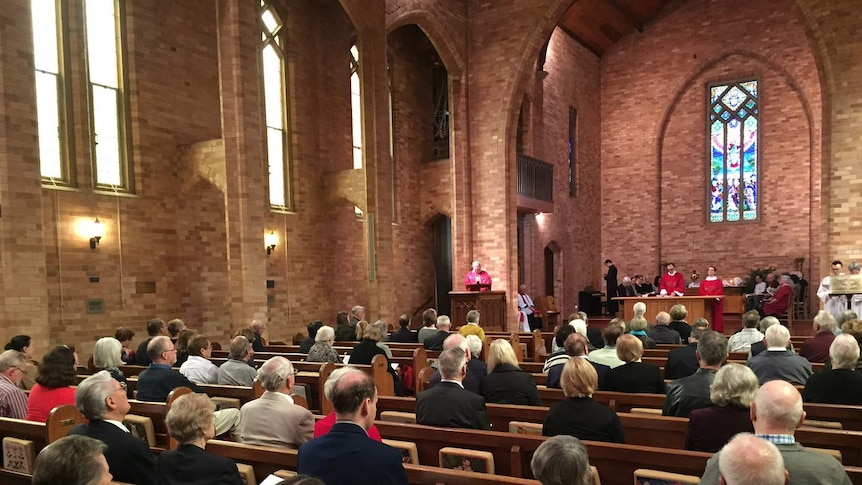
435 342
13 401
477 370
561 460
236 371
448 404
749 460
102 400
639 309
662 333
840 384
816 349
626 288
776 413
758 347
357 314
692 392
778 362
273 419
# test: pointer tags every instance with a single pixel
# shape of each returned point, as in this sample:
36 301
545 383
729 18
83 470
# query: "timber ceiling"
597 24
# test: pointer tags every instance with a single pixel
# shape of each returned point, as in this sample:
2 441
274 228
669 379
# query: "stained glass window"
275 105
733 151
50 115
108 105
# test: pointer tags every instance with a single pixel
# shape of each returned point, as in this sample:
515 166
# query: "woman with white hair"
732 392
108 355
322 350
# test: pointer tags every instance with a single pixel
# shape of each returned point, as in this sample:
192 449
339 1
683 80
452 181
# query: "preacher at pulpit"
477 279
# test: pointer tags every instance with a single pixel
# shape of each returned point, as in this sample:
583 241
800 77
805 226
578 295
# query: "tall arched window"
275 105
356 113
108 106
733 151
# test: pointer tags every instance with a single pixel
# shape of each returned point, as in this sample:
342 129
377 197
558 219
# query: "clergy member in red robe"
671 283
712 286
477 277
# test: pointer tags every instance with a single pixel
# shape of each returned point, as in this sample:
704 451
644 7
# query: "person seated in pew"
158 380
472 327
107 355
53 388
594 335
124 336
778 304
322 350
682 362
758 347
435 342
576 347
638 327
343 330
273 419
853 327
607 355
677 322
816 349
323 426
579 415
731 392
429 320
840 384
448 404
306 343
182 346
779 363
559 357
13 401
102 400
741 341
24 344
749 460
236 371
404 334
384 336
506 383
692 392
257 341
191 421
155 328
662 333
363 353
346 455
776 414
198 368
580 327
634 375
72 460
476 369
561 460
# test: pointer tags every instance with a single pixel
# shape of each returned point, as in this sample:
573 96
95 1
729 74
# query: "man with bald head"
476 369
662 333
346 455
749 460
776 413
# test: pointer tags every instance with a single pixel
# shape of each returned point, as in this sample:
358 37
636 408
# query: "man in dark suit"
346 455
103 402
155 327
682 362
435 342
476 369
692 392
404 334
448 404
611 283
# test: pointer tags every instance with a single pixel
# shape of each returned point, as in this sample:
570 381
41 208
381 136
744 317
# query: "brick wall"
654 150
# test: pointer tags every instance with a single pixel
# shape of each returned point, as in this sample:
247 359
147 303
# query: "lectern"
491 306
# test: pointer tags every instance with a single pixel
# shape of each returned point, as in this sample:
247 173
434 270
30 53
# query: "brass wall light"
270 240
97 231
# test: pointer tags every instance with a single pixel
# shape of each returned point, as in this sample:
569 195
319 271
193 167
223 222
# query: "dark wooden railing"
535 178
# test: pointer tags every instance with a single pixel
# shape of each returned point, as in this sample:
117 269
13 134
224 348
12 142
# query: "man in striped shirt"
13 401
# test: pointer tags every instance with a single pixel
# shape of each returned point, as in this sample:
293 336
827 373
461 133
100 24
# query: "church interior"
221 161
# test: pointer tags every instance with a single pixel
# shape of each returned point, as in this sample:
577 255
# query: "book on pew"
18 455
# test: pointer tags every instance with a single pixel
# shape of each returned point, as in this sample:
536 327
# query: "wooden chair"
246 473
398 417
521 427
656 477
466 460
409 452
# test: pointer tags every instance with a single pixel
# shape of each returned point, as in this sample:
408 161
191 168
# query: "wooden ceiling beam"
628 15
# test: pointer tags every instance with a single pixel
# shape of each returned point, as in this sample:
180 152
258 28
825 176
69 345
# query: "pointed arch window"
356 114
734 151
274 76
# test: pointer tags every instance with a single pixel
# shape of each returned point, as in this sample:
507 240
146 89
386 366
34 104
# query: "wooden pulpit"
491 306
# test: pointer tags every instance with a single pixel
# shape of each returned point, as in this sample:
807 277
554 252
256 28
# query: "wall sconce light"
97 232
270 240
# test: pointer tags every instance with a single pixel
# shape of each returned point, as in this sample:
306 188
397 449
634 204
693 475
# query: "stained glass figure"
733 132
